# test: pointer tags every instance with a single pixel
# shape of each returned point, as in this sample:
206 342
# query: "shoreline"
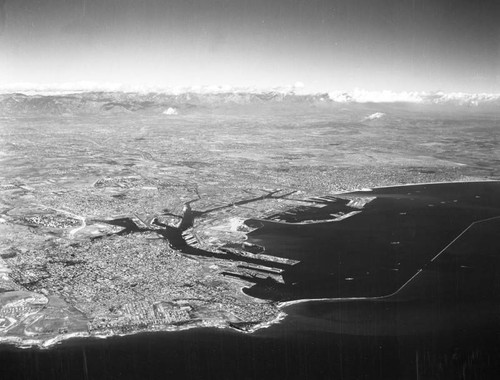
32 342
41 344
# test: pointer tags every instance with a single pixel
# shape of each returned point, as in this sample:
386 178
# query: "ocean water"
288 351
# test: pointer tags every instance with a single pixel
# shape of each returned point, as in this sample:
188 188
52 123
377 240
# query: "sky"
328 45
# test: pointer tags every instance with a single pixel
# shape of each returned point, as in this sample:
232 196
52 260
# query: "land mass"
117 222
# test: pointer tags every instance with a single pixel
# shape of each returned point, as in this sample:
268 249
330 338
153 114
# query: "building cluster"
142 315
136 282
51 221
123 182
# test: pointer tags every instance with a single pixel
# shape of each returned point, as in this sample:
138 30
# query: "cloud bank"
170 111
374 116
88 86
457 98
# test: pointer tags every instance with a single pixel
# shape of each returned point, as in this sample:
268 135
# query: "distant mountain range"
156 102
108 102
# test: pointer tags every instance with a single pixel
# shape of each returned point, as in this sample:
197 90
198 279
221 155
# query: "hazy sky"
398 45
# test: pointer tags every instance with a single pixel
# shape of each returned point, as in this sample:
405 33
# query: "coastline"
221 324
